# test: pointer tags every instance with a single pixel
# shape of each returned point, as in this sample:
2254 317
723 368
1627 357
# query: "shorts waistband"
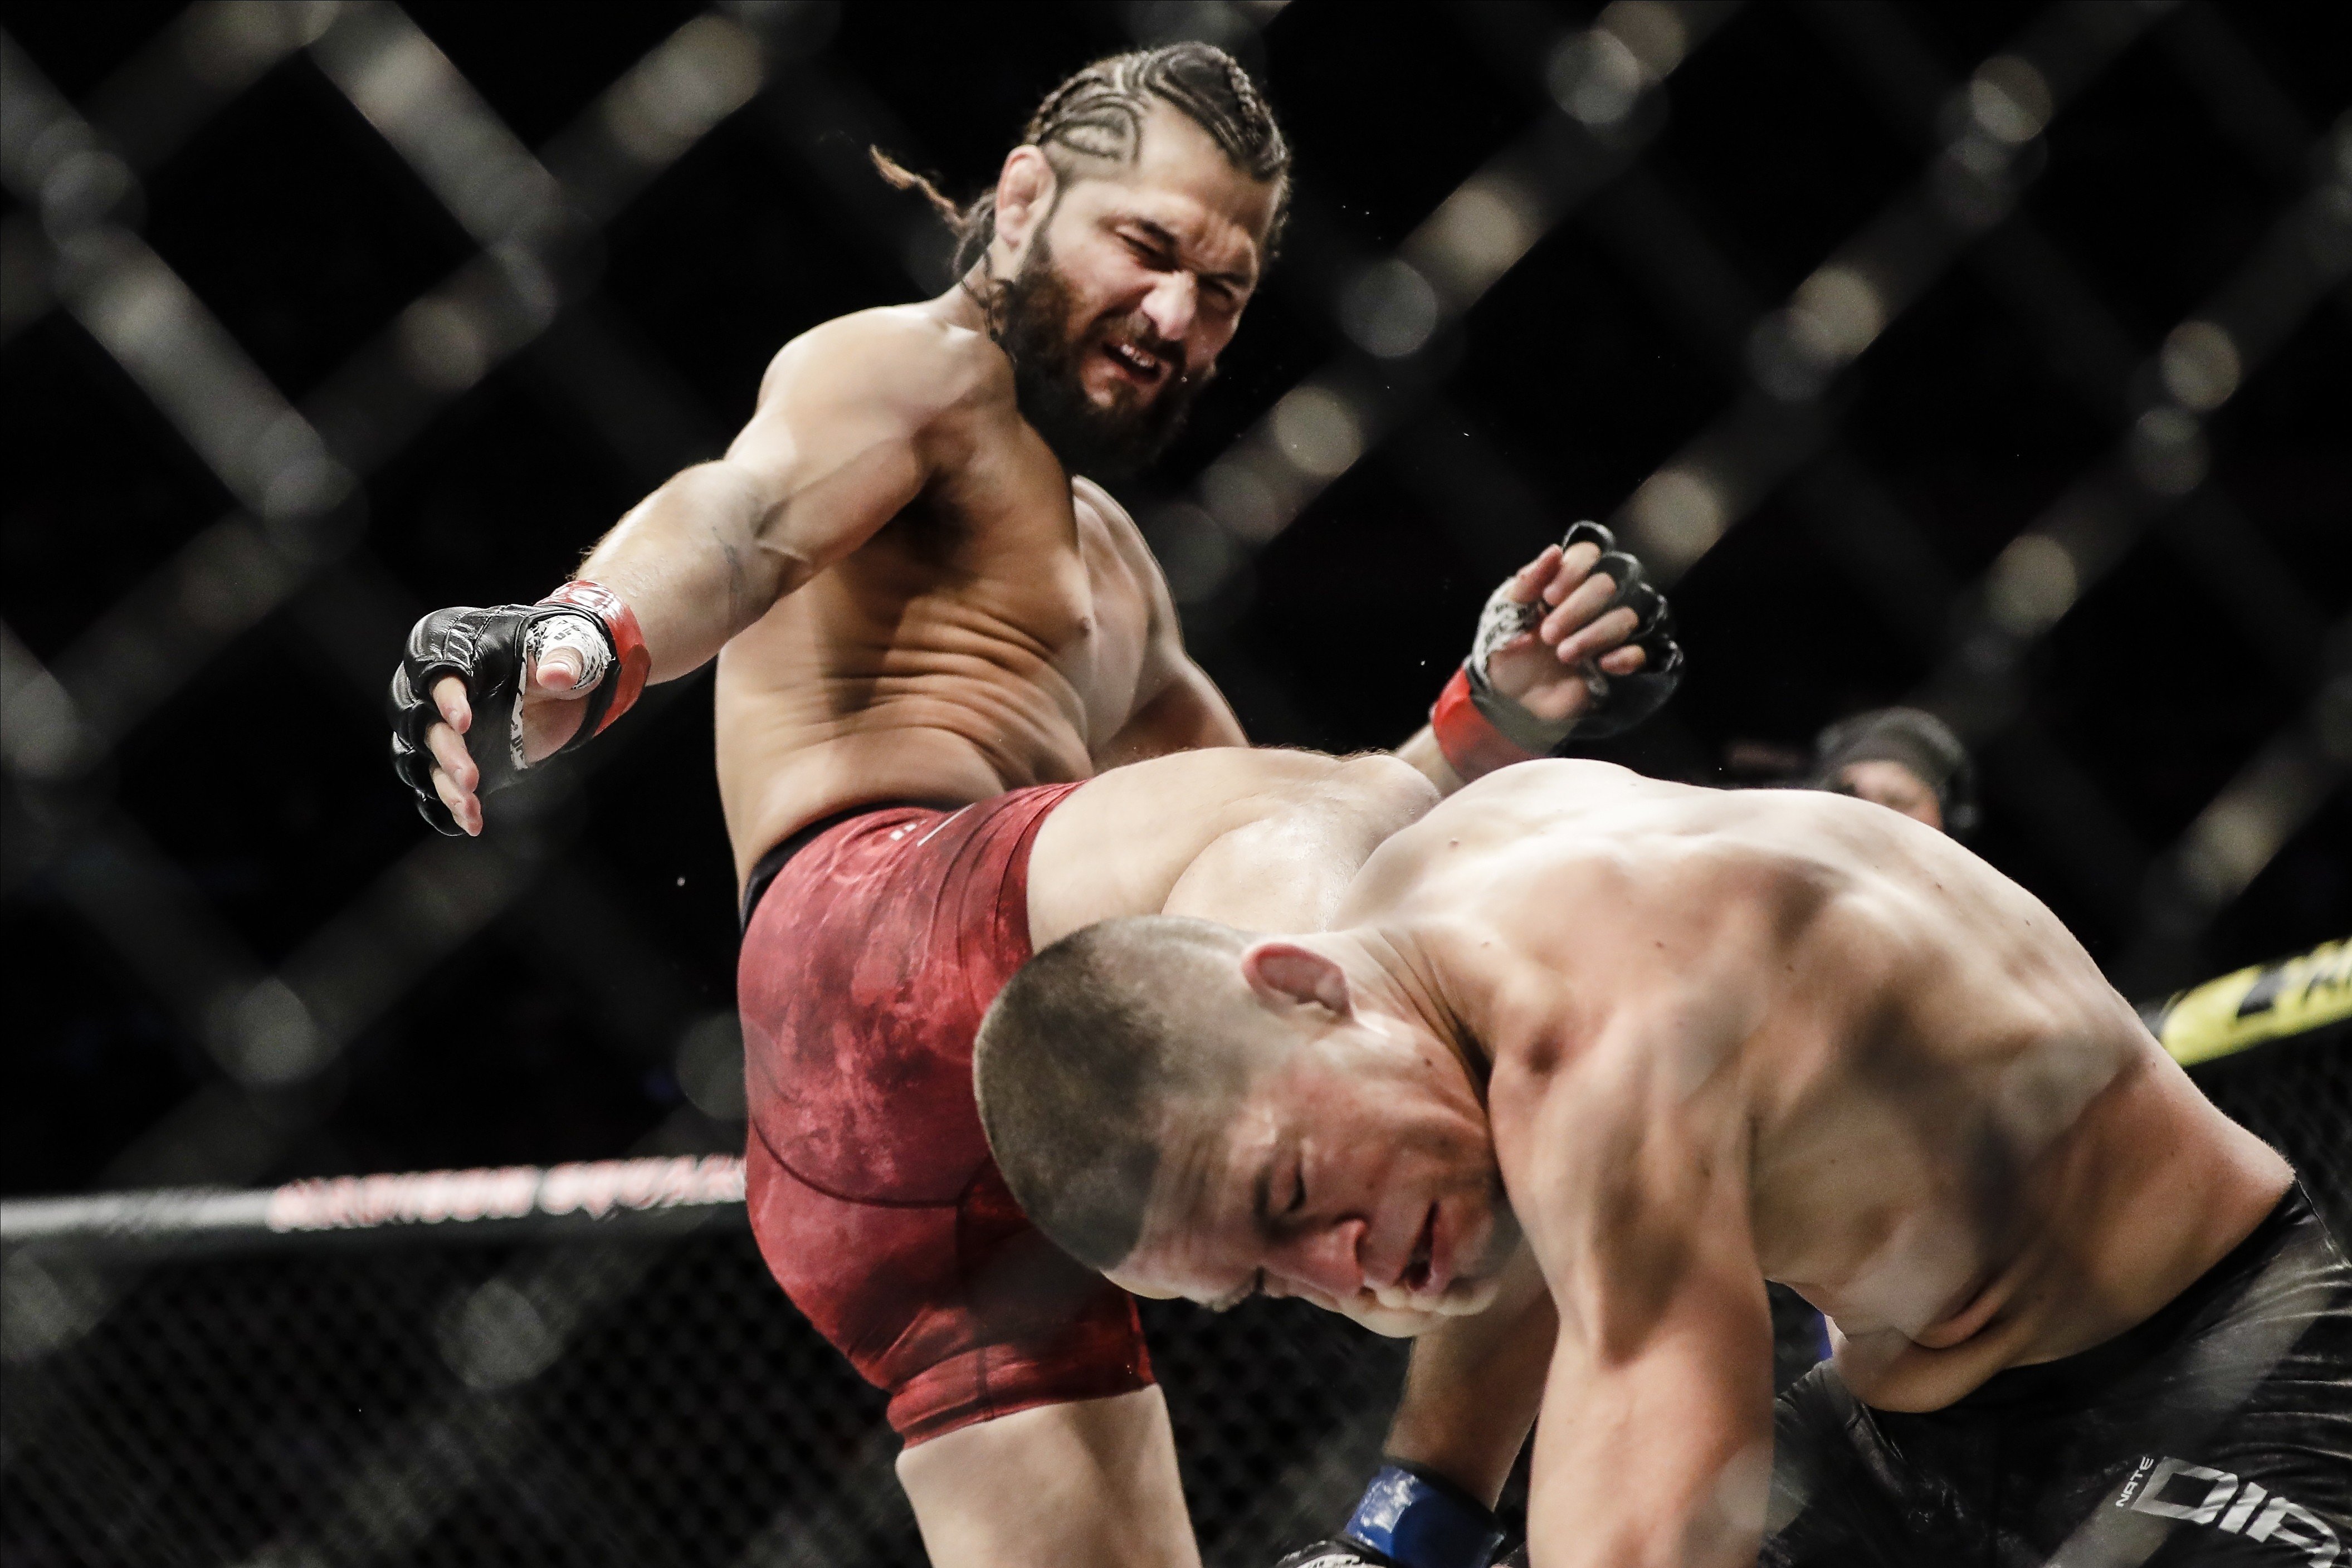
2087 1373
765 869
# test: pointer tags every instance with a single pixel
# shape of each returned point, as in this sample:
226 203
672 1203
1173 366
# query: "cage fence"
185 1385
596 1368
408 1386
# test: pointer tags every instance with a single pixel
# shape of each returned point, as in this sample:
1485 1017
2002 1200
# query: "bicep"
848 431
827 464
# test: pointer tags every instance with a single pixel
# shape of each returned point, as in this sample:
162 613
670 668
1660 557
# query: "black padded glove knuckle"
1630 700
1589 533
415 768
1624 570
1637 594
1619 701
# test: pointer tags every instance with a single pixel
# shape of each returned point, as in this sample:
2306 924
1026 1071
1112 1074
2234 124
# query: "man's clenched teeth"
1140 363
1414 1279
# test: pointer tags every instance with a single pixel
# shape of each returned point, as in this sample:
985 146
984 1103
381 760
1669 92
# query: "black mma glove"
489 649
1620 702
1480 729
1408 1519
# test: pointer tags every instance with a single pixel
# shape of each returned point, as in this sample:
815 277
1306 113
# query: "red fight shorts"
866 965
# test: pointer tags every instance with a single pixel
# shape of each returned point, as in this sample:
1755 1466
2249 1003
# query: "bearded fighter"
1594 1057
930 633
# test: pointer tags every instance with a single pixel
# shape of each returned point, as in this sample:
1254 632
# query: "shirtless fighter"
1594 1057
929 634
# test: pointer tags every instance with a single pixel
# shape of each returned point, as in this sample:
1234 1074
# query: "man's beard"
1036 327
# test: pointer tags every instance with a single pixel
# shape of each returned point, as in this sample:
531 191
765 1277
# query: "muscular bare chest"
1004 607
1053 566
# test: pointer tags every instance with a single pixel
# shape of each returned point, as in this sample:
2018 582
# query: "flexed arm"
1653 1449
847 432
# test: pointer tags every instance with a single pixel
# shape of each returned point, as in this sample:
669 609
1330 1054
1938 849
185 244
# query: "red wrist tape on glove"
628 640
1473 747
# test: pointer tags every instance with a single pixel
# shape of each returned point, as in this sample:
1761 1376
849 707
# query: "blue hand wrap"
1420 1522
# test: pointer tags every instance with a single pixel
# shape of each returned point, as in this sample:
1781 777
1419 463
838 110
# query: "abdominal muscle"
839 698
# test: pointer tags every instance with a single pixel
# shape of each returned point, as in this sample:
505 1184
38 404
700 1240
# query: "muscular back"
1891 1067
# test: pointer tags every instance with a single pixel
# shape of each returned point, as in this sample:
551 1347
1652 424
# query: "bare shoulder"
1511 801
1120 530
901 355
1557 779
1114 518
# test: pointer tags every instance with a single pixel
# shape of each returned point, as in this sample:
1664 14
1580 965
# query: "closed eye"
1161 257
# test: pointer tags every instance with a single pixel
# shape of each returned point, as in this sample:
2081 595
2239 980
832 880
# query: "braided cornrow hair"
1098 114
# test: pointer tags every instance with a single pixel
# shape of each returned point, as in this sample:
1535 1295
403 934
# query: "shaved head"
1101 1050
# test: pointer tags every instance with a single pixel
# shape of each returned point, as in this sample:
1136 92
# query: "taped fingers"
1478 729
573 644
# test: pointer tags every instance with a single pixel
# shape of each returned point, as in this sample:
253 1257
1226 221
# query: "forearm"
1474 1385
691 562
1649 1467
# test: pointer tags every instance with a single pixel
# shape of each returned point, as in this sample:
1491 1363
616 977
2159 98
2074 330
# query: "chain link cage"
2025 368
397 1395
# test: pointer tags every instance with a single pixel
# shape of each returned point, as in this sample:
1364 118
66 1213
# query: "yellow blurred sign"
2284 997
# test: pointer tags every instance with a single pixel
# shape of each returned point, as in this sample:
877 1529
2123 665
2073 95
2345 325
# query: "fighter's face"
1130 284
1892 785
1358 1174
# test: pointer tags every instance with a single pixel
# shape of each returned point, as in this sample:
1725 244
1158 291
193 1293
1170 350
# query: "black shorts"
2218 1431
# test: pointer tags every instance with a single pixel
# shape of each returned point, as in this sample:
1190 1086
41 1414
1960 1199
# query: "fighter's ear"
1285 973
1024 194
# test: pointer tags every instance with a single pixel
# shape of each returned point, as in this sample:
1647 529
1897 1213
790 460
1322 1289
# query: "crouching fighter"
1610 1054
930 635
